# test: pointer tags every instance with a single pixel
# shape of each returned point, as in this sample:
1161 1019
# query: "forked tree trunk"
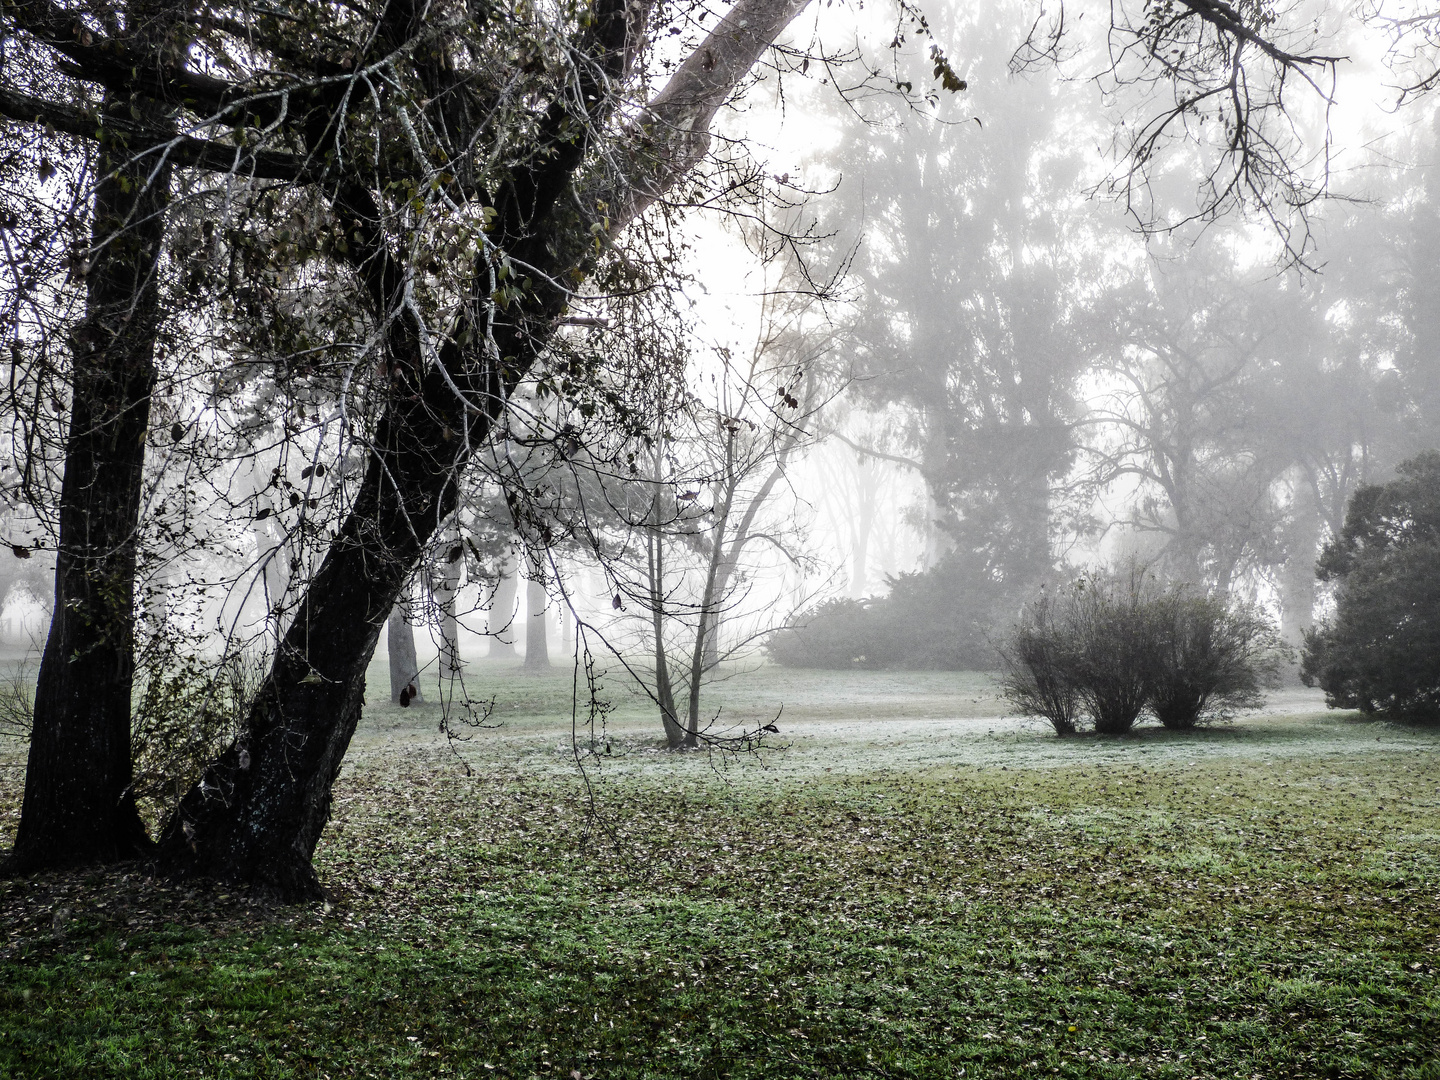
78 804
404 663
257 812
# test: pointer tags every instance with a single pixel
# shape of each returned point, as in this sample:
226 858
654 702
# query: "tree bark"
78 804
404 664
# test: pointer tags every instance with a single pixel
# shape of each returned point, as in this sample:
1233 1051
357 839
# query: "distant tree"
863 489
1381 651
967 263
1177 427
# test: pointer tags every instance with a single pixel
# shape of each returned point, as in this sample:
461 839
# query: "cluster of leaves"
1381 652
1111 644
188 707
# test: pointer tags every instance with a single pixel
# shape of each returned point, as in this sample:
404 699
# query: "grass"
905 885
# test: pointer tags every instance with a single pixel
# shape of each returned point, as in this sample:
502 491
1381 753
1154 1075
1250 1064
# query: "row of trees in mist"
1063 389
313 309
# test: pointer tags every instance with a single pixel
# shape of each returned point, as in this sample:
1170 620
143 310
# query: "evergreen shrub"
1381 651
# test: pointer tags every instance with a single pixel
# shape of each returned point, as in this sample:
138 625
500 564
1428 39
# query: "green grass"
936 893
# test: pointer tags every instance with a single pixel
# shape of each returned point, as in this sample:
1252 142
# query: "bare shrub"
1113 643
1037 668
1106 620
1210 657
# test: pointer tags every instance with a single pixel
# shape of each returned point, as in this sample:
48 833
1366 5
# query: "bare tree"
709 496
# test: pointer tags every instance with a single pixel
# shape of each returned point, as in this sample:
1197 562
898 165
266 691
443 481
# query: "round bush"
1209 657
1112 644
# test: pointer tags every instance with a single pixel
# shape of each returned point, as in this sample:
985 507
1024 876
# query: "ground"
901 884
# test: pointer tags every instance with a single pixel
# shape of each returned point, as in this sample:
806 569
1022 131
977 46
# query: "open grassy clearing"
934 892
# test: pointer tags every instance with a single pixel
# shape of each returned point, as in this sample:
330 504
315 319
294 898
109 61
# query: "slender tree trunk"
537 646
861 527
710 597
933 462
445 598
567 623
404 661
711 656
78 805
501 627
270 553
664 689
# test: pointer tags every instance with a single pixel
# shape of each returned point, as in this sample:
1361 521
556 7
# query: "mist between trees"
323 320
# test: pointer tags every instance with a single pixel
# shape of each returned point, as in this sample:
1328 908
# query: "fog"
912 348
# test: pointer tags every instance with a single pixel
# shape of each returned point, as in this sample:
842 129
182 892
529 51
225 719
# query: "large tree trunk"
404 663
78 805
537 646
861 526
501 620
257 812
